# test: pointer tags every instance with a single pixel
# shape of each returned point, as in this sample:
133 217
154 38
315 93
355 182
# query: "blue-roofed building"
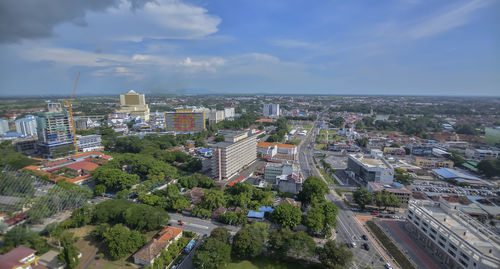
459 176
259 214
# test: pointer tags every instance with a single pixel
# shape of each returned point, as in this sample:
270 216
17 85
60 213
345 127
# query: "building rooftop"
12 259
395 187
272 144
370 162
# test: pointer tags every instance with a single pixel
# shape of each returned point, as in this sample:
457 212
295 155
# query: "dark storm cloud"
31 19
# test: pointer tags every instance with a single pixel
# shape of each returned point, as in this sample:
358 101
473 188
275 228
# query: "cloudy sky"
434 47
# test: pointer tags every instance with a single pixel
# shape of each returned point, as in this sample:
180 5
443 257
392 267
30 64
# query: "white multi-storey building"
4 126
271 110
26 126
89 143
454 237
229 112
237 151
369 168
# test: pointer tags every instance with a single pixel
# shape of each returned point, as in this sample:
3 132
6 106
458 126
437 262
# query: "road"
348 229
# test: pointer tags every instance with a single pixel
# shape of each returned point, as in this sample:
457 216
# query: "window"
453 247
465 256
410 212
425 224
423 229
462 262
451 252
432 236
410 217
416 222
441 244
442 238
432 230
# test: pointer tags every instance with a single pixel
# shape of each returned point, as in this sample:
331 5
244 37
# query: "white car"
388 266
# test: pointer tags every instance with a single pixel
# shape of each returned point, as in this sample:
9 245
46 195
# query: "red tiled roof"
11 259
83 165
271 144
168 234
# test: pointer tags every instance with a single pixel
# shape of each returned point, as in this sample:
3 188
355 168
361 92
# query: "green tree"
221 234
114 179
219 138
249 241
489 168
362 197
120 241
69 254
99 190
212 254
145 217
322 218
313 190
213 199
456 157
335 255
286 215
286 243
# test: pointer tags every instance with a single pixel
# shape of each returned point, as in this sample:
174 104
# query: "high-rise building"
134 104
54 130
271 110
4 126
237 151
185 120
26 126
369 168
229 112
215 116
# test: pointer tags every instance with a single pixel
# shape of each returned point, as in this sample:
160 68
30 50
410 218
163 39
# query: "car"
366 246
388 266
364 237
180 223
353 244
374 213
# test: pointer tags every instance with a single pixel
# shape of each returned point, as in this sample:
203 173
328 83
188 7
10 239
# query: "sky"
383 47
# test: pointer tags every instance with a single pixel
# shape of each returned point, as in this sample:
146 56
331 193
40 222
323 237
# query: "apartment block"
54 131
26 126
89 143
237 151
271 110
432 163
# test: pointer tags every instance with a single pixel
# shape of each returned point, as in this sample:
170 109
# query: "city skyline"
246 47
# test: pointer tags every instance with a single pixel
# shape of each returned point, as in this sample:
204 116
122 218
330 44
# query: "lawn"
320 146
264 263
307 126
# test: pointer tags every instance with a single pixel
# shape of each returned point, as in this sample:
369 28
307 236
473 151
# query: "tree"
82 216
362 197
120 241
362 142
99 189
145 217
249 241
313 190
219 138
221 234
489 168
401 176
286 215
286 243
212 254
456 157
335 256
322 218
69 254
114 179
213 199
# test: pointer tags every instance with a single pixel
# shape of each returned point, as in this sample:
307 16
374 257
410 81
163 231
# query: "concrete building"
394 151
185 120
289 183
135 105
25 145
26 126
20 258
273 170
215 116
480 154
271 110
453 237
229 113
237 151
89 143
395 188
432 163
369 168
54 130
4 126
277 151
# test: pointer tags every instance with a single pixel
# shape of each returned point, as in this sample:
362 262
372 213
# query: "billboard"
185 122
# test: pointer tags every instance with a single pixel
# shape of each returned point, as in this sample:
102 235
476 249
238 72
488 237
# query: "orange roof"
168 234
83 165
266 120
271 144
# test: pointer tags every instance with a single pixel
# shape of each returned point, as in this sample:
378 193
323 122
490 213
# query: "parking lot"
446 188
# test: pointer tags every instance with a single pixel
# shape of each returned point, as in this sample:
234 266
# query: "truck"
189 246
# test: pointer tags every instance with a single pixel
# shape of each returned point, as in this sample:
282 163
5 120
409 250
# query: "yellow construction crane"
68 104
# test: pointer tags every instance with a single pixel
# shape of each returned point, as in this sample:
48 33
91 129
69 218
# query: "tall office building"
134 104
229 112
271 110
237 151
26 126
4 126
54 130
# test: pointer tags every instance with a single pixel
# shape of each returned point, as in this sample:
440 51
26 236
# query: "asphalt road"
348 230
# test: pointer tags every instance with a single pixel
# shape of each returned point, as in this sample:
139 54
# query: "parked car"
388 266
364 237
374 213
366 246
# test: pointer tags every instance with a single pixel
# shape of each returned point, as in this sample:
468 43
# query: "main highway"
348 229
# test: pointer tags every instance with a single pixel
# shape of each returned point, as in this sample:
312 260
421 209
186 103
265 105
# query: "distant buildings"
4 126
54 130
135 105
370 168
452 236
185 120
26 126
237 151
214 116
432 163
394 151
271 110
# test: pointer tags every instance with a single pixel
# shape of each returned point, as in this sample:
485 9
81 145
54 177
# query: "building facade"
185 121
4 126
432 163
134 104
229 112
54 131
215 116
271 110
273 170
89 143
237 151
402 193
26 126
453 237
369 169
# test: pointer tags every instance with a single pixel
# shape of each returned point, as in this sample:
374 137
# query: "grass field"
320 146
264 263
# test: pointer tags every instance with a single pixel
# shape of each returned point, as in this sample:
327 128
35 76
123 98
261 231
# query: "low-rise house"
20 258
195 194
152 250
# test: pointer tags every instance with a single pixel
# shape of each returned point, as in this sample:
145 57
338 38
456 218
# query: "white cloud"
452 18
208 65
292 43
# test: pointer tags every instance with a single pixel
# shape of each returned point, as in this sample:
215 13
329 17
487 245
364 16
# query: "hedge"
390 246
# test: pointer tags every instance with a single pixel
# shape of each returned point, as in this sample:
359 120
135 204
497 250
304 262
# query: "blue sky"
408 47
